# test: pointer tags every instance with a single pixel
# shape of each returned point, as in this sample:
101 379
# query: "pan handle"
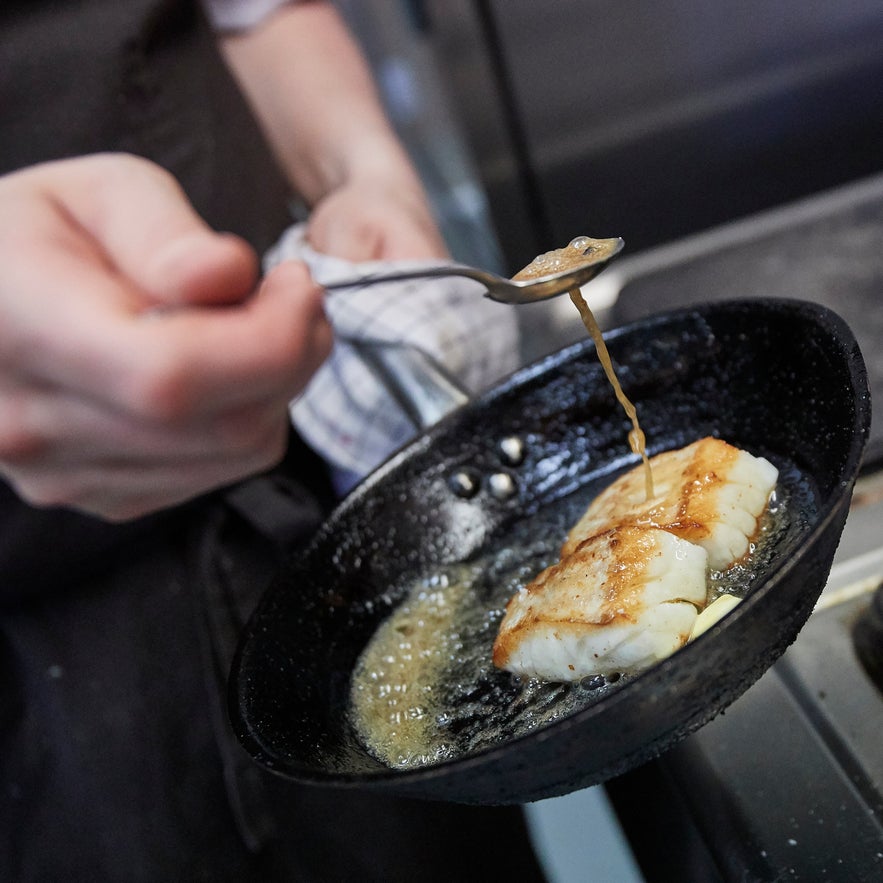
420 385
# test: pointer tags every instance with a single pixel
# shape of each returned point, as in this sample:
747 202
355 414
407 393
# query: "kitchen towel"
346 414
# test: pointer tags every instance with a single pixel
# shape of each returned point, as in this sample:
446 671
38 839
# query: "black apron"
116 758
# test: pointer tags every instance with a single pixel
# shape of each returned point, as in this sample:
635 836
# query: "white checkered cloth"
346 414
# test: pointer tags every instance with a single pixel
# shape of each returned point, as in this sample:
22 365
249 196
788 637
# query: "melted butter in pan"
425 688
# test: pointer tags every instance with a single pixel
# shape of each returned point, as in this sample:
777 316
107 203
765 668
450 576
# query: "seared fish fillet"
621 600
709 493
633 573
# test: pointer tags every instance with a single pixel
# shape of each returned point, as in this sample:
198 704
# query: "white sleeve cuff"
239 15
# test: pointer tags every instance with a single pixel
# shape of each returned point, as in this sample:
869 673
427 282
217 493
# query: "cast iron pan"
782 379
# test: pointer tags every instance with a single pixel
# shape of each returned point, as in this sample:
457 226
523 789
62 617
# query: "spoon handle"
404 275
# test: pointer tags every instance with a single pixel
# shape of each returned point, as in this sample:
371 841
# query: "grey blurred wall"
652 119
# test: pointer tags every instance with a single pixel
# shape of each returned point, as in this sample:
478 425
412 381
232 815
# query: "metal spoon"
549 275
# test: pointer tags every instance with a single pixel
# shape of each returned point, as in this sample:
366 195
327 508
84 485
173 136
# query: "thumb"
141 220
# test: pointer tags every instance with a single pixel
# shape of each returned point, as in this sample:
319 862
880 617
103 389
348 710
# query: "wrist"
376 161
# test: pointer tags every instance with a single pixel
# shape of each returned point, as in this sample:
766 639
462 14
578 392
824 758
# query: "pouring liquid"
574 255
637 441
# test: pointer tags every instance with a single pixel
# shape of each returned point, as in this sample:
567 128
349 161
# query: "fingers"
199 269
115 409
187 402
73 325
119 491
58 450
182 362
148 230
181 368
45 427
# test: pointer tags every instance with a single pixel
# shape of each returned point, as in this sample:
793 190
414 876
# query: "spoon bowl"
550 274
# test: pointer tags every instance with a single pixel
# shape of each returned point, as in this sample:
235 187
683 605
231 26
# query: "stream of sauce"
637 441
577 252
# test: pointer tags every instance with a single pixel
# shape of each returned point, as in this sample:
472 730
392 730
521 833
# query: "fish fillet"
619 602
709 493
633 573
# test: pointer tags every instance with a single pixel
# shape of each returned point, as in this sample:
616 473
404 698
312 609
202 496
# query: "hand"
375 220
335 142
138 365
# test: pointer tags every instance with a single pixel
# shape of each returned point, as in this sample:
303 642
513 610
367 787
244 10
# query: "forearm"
314 95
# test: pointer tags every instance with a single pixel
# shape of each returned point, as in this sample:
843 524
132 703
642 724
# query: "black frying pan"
783 379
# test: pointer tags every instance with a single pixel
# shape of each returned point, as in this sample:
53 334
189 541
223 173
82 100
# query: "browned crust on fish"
686 508
609 567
